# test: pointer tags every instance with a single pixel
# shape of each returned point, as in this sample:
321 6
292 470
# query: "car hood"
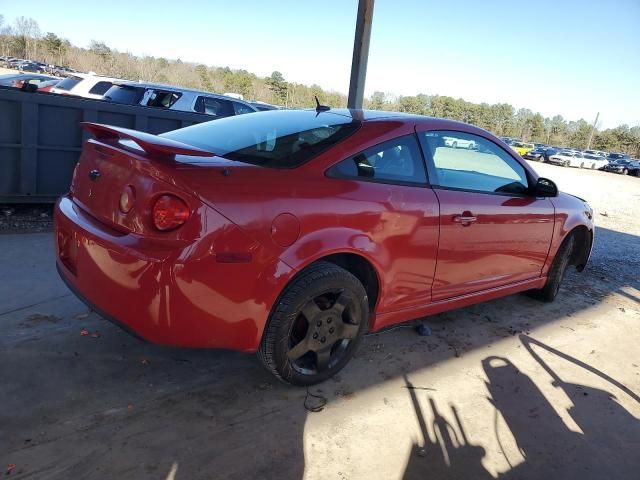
572 196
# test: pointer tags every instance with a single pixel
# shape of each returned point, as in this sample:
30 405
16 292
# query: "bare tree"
27 33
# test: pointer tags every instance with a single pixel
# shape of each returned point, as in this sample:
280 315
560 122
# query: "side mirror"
545 188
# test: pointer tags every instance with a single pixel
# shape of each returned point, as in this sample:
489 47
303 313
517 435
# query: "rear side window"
240 108
124 94
396 161
100 88
481 167
162 99
68 83
214 106
274 139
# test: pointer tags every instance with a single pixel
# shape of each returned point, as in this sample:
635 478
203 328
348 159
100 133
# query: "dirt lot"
508 389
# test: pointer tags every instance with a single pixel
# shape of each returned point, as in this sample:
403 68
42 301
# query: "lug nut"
315 335
331 330
323 339
319 323
329 320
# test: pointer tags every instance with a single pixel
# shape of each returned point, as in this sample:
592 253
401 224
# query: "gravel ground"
508 389
26 218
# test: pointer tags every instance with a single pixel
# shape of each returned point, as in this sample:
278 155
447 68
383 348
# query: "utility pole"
360 53
593 129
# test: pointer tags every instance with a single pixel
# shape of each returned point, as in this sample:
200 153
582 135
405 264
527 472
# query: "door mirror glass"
546 188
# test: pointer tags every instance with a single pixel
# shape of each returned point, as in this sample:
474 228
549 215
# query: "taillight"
127 199
169 212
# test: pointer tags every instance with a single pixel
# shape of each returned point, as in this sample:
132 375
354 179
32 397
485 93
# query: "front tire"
551 288
316 325
625 171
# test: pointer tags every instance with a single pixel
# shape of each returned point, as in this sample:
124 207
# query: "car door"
492 231
386 196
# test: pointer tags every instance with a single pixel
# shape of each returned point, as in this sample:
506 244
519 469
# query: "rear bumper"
168 295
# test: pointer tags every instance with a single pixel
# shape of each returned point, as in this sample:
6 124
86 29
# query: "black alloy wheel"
316 325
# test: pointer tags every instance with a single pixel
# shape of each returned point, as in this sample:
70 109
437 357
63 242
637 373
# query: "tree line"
24 39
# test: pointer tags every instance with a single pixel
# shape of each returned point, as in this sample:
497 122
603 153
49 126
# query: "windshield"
276 139
68 83
615 156
566 154
126 94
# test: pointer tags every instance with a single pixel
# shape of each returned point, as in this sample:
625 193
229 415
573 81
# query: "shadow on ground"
606 447
109 406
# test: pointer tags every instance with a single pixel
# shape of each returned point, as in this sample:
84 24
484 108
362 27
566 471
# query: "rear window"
126 94
241 108
100 88
214 106
163 98
275 139
68 83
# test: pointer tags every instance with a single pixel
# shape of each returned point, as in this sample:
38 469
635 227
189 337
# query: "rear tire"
582 165
625 171
316 326
556 273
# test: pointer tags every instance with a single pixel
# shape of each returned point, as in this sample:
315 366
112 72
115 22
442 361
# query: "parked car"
176 98
292 233
521 148
5 60
620 165
593 161
634 167
14 62
596 152
84 85
34 67
455 142
536 155
60 70
24 80
614 157
567 158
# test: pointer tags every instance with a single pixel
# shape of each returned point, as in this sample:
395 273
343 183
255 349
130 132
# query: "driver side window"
469 162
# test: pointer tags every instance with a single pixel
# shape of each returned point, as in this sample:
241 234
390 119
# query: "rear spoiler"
151 144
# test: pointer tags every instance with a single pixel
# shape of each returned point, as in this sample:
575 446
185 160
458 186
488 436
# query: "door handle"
465 219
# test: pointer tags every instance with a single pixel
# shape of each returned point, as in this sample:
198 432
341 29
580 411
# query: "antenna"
321 108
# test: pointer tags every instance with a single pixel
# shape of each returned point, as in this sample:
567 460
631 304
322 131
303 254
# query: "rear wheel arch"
356 264
362 269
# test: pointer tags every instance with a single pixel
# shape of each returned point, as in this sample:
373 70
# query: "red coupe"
292 233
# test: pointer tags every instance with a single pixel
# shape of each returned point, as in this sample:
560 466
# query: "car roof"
85 76
175 88
27 75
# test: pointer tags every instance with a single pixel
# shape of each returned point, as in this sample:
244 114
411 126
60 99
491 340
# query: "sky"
567 57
